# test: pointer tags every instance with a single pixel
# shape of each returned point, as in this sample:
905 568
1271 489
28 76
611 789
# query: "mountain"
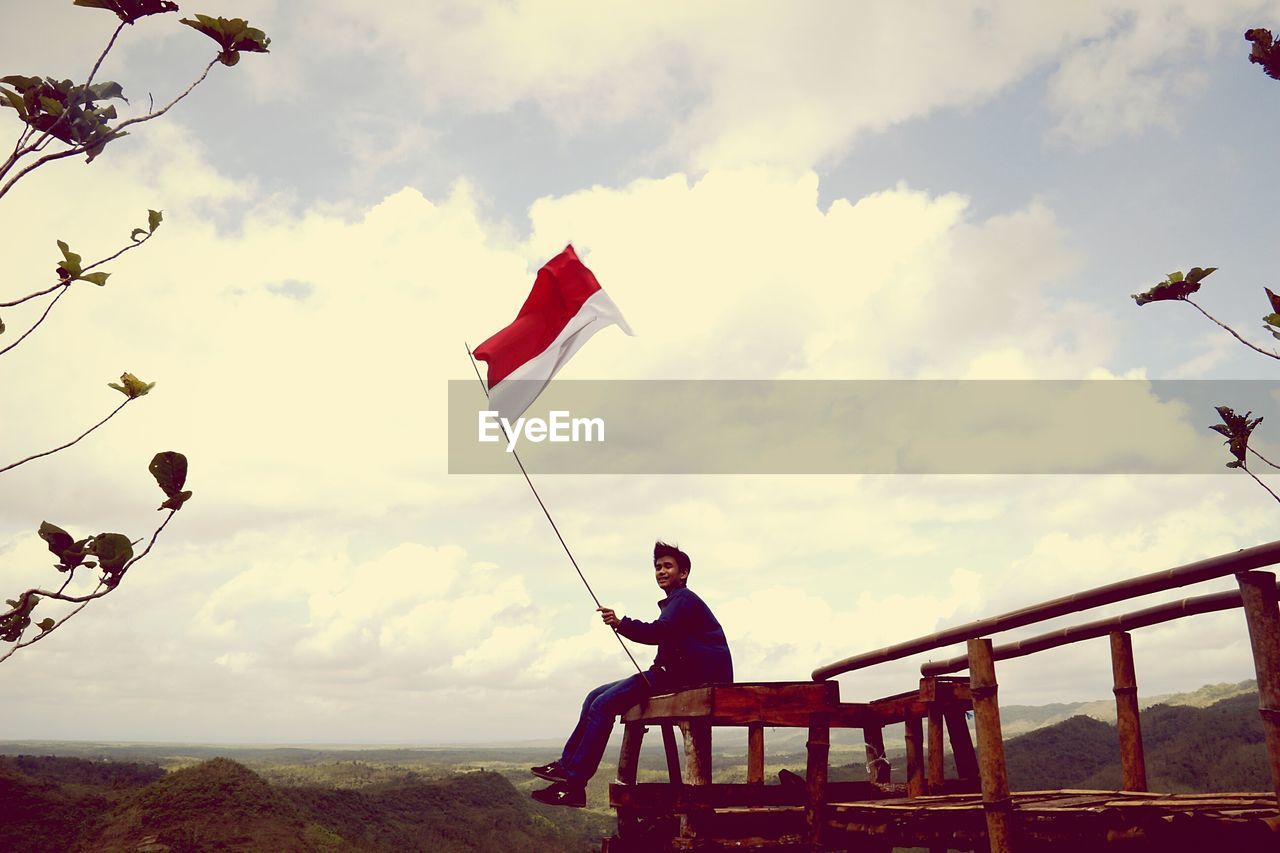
1187 749
1018 719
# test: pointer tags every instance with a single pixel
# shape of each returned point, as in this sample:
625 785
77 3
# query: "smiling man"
691 651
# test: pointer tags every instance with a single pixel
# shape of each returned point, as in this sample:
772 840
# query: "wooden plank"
673 758
936 759
629 757
778 704
915 756
666 798
991 765
818 748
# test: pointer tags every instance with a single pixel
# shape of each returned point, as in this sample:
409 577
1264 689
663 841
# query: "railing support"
755 754
629 757
991 764
1128 724
819 748
915 756
877 764
1258 592
937 765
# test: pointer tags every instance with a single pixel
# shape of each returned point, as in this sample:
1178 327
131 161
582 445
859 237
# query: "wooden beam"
915 756
697 751
819 748
755 754
1128 724
673 756
786 703
629 757
877 762
961 744
991 764
1258 590
936 758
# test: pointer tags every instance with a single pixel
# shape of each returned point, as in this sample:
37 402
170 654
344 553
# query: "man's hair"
662 549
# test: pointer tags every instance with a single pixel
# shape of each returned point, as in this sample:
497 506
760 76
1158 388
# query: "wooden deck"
1065 821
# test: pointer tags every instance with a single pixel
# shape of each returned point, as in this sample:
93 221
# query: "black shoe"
552 772
561 794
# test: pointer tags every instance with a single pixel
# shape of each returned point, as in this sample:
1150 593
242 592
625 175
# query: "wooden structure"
975 811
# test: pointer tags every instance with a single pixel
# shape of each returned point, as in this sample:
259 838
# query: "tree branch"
1260 483
47 309
56 625
1255 348
80 149
1264 459
127 401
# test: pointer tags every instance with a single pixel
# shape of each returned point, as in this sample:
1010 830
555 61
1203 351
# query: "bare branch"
56 625
1260 483
50 289
147 550
171 104
1254 347
1264 459
127 401
36 324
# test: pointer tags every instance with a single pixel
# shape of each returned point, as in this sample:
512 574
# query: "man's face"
668 574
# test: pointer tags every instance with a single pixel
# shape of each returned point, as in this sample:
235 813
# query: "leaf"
1265 52
232 35
113 551
45 624
133 387
131 10
175 502
1175 286
57 539
133 235
1 327
70 261
1274 300
170 470
1237 429
98 278
154 218
110 90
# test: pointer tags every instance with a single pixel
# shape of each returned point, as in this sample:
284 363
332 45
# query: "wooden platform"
1065 821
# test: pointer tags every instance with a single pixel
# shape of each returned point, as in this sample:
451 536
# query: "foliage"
60 118
1266 52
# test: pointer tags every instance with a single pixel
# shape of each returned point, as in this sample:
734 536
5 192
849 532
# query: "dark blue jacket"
692 649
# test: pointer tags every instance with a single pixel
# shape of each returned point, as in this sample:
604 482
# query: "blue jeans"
585 747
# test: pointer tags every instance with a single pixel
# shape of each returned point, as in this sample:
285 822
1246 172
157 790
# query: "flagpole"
547 513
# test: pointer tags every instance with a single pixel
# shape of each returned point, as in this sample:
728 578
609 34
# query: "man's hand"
610 618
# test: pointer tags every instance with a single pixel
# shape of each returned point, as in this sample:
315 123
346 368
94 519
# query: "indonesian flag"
565 308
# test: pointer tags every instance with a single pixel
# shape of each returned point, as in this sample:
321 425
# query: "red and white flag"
565 308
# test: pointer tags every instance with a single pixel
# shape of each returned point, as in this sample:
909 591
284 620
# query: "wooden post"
937 765
915 756
961 744
697 751
755 754
673 757
819 746
629 757
877 764
1258 592
1128 725
991 766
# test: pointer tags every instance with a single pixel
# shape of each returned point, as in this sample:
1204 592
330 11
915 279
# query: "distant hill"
1187 749
1018 719
78 805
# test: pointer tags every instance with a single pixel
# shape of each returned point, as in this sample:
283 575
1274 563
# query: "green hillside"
79 805
1187 749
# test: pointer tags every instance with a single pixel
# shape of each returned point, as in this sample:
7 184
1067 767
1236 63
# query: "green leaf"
154 218
1175 277
133 235
132 386
98 278
70 261
232 35
170 470
1 327
45 624
1198 273
110 90
14 100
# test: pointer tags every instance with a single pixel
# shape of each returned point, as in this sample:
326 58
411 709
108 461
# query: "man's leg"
571 745
597 723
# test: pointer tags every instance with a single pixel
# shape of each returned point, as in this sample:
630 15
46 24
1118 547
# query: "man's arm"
651 633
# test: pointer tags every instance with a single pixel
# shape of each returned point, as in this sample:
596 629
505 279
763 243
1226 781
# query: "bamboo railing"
1257 595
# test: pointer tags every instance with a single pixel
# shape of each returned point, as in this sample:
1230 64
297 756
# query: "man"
691 651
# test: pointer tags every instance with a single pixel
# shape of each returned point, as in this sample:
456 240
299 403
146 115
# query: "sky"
800 191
